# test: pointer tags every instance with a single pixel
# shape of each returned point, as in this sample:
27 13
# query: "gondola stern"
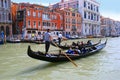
106 41
99 41
29 49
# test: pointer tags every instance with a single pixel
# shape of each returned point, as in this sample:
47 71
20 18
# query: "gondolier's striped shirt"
47 36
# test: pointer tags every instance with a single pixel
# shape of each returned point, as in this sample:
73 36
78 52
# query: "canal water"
16 65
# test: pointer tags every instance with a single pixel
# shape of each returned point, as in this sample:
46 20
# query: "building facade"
110 27
91 17
71 22
14 8
35 19
89 10
5 17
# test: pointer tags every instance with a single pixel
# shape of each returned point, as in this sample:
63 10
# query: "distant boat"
13 40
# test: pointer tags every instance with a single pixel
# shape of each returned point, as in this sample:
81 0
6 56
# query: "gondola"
60 57
33 41
14 41
1 42
65 47
39 42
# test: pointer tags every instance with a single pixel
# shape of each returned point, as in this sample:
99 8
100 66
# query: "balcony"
6 22
74 29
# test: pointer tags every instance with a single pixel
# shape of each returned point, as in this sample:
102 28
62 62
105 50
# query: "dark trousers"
59 40
47 45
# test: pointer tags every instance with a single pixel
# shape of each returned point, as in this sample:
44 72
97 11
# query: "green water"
15 64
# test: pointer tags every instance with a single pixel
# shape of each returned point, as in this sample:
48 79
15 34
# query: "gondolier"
47 38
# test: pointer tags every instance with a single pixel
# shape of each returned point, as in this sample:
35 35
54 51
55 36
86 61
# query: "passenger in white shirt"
59 37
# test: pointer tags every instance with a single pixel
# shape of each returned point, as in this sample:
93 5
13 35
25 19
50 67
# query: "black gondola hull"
61 57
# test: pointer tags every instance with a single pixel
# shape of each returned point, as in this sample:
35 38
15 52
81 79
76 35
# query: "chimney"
62 1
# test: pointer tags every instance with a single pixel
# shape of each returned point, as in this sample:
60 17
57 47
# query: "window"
85 15
39 23
84 3
97 17
28 13
0 16
94 17
38 14
61 18
91 7
9 16
34 14
73 21
44 24
91 16
28 32
29 24
54 17
88 5
73 14
97 9
2 3
34 23
5 4
64 5
3 16
66 13
34 32
88 15
46 16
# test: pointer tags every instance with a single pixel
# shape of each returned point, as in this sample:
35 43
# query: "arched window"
1 3
9 16
2 28
5 4
7 31
0 17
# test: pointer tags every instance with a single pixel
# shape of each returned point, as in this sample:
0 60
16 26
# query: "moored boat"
33 41
60 57
14 41
1 42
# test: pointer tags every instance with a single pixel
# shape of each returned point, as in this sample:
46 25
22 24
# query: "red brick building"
14 8
35 19
72 22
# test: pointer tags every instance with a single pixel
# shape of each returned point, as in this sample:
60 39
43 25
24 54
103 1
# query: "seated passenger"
82 43
73 44
77 51
89 42
83 50
78 43
70 51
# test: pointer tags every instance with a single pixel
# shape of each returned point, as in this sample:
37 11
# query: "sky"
108 8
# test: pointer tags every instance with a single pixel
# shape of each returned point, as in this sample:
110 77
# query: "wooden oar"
66 55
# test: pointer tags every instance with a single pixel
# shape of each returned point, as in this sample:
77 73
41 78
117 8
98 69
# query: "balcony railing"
74 29
5 22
